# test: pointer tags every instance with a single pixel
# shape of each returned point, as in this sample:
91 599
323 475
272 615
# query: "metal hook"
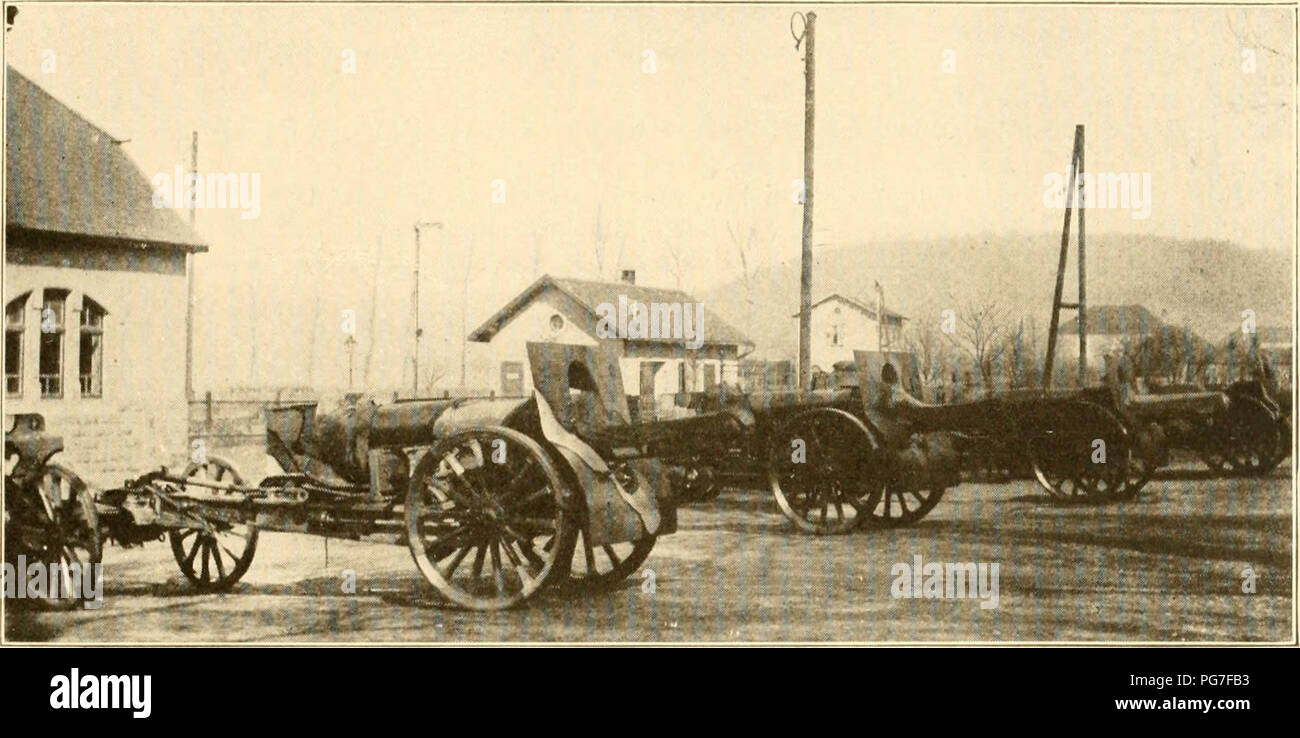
798 37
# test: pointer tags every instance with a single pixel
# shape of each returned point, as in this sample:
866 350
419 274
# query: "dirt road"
1168 567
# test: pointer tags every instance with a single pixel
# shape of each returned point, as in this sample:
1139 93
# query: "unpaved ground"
1165 568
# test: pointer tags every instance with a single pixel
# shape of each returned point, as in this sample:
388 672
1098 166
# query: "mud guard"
622 498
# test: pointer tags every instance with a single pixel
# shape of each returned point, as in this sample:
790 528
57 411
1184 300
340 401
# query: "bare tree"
925 343
981 335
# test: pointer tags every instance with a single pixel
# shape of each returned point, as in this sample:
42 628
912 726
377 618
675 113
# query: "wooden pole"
1060 266
805 269
1082 310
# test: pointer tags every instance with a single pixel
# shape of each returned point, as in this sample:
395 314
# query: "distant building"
95 292
569 310
842 324
1172 352
1110 329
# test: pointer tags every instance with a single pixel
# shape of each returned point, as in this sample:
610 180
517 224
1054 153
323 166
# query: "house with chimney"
662 357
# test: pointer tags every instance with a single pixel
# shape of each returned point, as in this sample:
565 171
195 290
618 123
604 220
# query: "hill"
1203 284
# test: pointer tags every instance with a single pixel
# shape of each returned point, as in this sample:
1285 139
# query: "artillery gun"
497 496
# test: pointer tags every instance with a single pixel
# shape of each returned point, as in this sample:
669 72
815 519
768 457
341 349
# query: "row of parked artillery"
500 499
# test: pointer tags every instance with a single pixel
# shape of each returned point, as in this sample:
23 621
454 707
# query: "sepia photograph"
649 323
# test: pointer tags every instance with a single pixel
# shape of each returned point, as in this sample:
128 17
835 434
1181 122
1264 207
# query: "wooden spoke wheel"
818 469
889 505
485 517
54 523
1254 430
1066 459
214 557
596 568
1139 473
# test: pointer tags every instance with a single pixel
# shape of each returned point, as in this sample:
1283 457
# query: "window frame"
89 307
20 303
48 297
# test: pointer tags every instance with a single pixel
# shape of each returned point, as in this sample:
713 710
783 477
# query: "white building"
842 324
565 310
94 293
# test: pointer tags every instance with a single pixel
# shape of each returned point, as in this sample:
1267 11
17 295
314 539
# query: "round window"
557 322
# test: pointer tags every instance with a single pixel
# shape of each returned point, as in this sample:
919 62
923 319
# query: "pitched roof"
67 175
859 304
1116 320
588 295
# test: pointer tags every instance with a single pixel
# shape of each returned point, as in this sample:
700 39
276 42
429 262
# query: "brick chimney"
628 276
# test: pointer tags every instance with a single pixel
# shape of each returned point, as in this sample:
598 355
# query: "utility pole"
806 38
1076 175
1082 310
415 300
189 275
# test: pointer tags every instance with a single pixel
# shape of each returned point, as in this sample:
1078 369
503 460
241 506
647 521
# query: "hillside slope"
1205 284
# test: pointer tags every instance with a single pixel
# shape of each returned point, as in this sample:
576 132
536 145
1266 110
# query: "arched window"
53 325
15 324
90 368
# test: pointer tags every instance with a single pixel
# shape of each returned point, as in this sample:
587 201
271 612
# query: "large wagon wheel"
890 505
56 524
485 518
1254 430
215 556
595 568
1062 452
818 470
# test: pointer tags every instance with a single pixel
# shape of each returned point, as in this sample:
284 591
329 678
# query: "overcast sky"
554 101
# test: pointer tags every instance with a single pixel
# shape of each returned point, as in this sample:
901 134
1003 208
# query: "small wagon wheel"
64 531
214 557
1069 464
485 518
818 470
1254 430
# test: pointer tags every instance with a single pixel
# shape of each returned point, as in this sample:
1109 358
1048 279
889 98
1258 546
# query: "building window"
15 323
50 361
91 356
837 334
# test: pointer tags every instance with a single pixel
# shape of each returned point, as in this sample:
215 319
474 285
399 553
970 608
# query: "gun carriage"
1241 428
